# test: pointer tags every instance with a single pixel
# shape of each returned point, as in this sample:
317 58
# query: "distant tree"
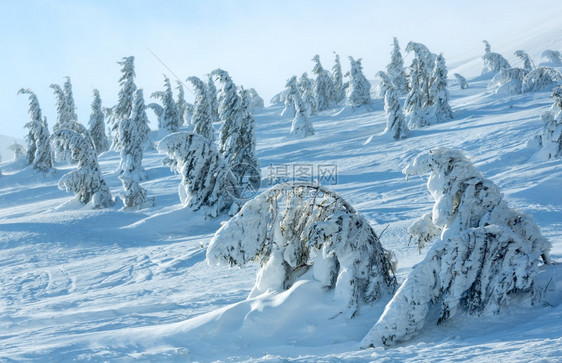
487 47
553 57
86 182
124 107
337 81
64 116
230 114
67 86
493 62
97 125
395 121
169 117
212 96
550 140
38 145
461 81
294 228
278 99
540 78
301 126
359 91
255 100
306 90
527 62
202 119
486 255
438 91
181 103
18 150
290 93
206 179
416 114
323 87
395 69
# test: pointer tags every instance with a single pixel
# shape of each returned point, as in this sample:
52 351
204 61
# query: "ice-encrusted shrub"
206 179
540 78
508 81
86 182
486 253
293 229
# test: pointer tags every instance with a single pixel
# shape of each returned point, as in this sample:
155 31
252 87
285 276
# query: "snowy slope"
86 284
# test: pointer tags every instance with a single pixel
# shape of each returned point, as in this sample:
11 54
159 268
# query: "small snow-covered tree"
39 154
306 90
338 93
359 91
255 100
486 254
290 92
202 119
181 103
550 140
97 125
212 97
416 114
230 114
492 62
301 125
206 179
463 84
124 107
527 62
540 78
86 182
395 121
395 69
169 118
67 86
278 99
508 81
323 87
18 150
303 230
438 92
553 57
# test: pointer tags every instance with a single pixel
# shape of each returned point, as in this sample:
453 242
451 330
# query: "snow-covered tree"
124 107
67 86
206 179
202 118
422 64
508 81
485 255
39 154
255 100
306 89
181 103
463 84
169 117
278 99
527 62
307 231
301 125
439 95
97 125
230 114
493 62
323 87
416 114
540 78
212 96
359 91
290 93
395 121
338 93
553 57
86 182
395 69
18 150
64 116
550 140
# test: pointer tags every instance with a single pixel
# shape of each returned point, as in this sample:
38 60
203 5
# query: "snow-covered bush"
133 196
553 57
206 179
307 94
202 118
86 182
97 125
395 69
395 121
540 78
550 140
438 93
508 81
323 87
487 253
39 154
168 116
359 91
463 84
492 62
297 229
527 62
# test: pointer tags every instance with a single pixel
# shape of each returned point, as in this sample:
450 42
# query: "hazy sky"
260 43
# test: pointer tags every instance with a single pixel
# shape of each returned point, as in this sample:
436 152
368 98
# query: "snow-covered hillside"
110 284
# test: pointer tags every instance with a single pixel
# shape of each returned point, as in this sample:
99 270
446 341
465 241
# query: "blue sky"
260 43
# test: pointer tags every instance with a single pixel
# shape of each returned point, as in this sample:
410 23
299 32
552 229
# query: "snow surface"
79 283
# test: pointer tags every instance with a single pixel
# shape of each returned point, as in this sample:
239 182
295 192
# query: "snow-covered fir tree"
169 118
212 96
550 140
18 150
423 66
439 95
463 84
323 87
290 91
230 114
86 182
64 116
256 101
416 114
395 121
97 125
181 103
527 62
202 118
359 91
39 154
540 78
67 86
306 89
206 179
292 229
492 62
395 69
338 93
553 57
122 111
301 125
486 253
